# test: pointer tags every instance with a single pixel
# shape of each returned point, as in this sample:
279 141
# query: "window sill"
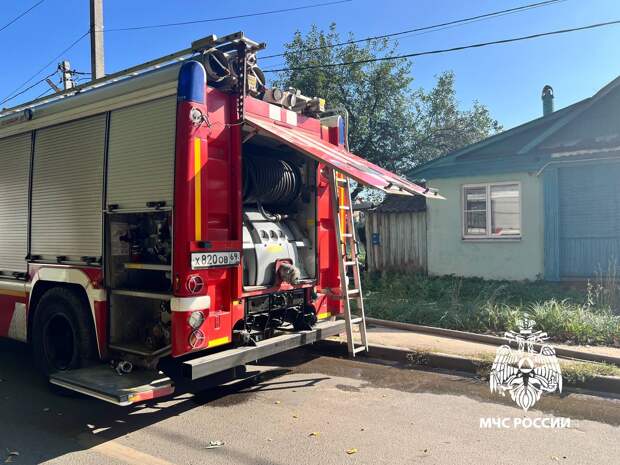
492 239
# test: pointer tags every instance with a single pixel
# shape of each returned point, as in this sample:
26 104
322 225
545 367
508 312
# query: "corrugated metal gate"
14 172
67 190
589 219
141 154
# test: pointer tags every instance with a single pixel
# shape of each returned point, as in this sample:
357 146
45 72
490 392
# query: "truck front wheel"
62 336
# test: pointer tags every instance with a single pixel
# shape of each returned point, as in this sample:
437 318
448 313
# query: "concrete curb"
609 384
492 340
406 356
423 359
401 355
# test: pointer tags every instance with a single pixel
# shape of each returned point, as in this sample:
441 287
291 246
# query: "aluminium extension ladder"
342 207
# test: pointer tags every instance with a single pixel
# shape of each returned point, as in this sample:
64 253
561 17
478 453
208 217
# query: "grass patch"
573 372
585 315
577 373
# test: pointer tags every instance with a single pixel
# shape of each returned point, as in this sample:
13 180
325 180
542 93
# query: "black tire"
63 336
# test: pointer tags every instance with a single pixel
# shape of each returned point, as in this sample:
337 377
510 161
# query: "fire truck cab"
176 213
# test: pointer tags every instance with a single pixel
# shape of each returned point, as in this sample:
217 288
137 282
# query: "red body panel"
101 324
329 275
221 218
7 306
219 193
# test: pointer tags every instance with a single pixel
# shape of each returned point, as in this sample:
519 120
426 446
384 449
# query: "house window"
492 211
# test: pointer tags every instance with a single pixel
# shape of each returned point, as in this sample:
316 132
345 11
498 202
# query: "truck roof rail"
225 44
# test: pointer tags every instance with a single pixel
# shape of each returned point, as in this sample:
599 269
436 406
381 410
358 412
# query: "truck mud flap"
104 383
214 363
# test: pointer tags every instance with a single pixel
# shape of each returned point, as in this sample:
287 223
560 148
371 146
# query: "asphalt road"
311 411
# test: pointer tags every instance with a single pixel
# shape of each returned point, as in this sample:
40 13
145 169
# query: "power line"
46 91
226 18
21 15
13 94
475 20
430 28
28 88
446 50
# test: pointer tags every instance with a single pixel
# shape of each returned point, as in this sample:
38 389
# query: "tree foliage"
391 123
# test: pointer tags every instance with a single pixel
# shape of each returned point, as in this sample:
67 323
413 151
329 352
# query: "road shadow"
414 378
41 425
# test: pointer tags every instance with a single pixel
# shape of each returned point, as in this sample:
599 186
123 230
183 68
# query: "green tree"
439 126
391 123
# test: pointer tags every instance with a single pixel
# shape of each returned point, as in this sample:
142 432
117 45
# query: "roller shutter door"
14 173
589 218
141 154
67 190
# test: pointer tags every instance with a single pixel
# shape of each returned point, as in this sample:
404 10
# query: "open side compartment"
279 238
279 215
139 278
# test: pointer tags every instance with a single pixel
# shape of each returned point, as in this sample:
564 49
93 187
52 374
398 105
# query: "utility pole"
67 77
96 39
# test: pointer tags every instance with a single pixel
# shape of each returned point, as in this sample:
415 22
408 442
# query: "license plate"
202 260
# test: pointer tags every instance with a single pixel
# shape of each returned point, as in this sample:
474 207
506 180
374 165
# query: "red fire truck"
179 212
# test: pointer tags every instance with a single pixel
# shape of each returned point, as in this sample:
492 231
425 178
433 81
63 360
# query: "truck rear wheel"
63 337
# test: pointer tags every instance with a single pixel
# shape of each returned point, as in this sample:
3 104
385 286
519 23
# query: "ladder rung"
349 260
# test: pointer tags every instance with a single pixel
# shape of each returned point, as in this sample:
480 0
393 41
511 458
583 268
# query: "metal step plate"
103 382
216 362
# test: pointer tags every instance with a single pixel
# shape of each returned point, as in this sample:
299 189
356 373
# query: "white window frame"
489 234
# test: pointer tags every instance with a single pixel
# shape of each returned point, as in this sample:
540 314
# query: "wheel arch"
78 282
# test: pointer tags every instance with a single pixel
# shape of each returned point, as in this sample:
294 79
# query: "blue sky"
506 78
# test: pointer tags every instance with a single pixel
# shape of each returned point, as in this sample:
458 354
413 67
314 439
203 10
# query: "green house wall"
449 253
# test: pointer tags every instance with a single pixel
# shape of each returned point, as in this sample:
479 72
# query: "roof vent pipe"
547 99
